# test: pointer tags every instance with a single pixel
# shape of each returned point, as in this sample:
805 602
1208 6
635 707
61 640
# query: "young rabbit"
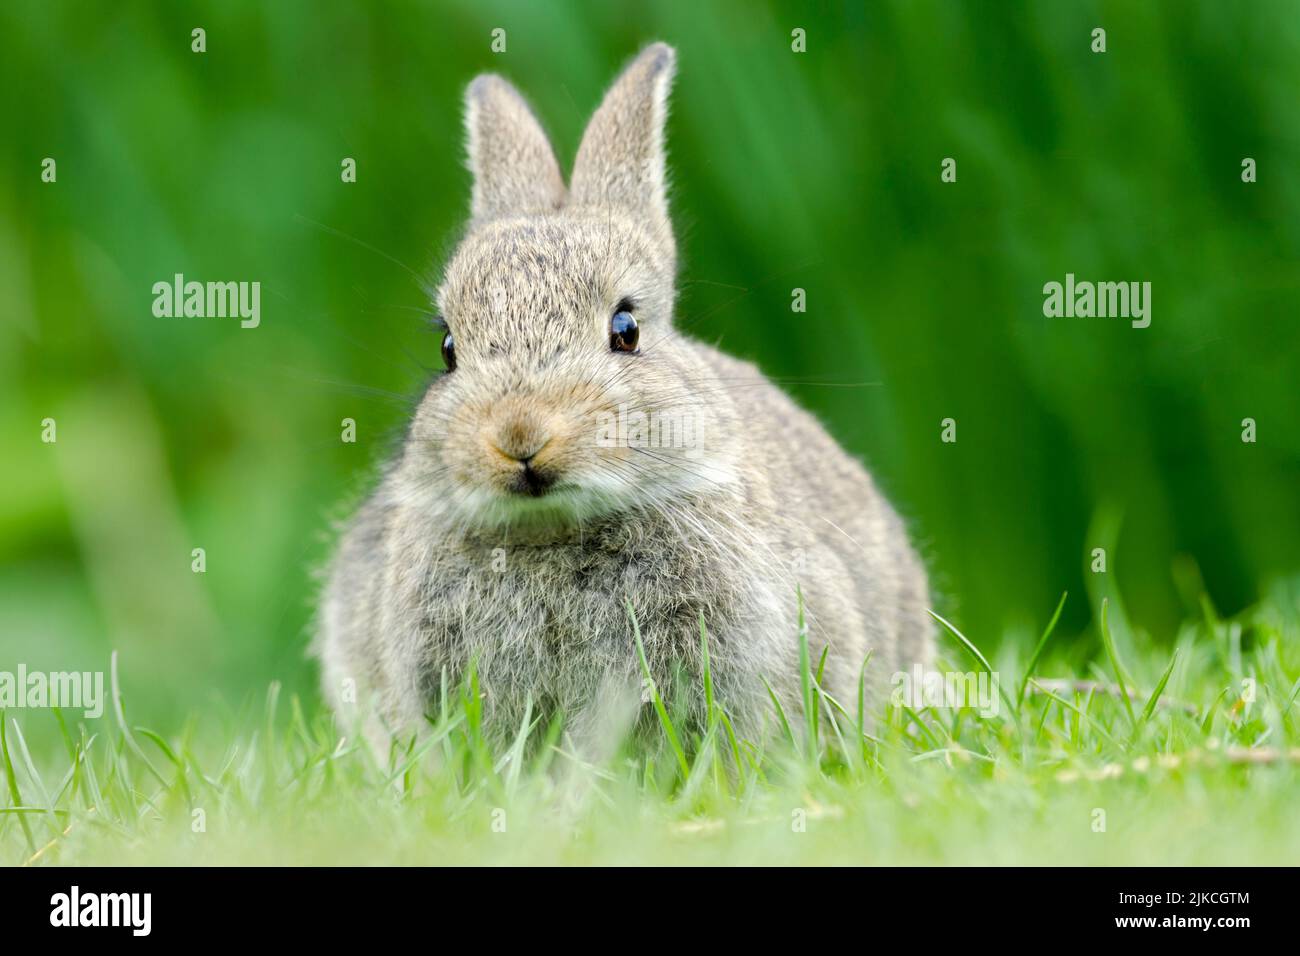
582 461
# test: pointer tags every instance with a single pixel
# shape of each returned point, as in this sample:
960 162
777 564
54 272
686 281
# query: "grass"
1190 754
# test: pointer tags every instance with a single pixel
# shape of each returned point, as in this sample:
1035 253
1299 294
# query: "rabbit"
535 519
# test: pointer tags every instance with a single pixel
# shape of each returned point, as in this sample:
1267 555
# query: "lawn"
179 513
1099 753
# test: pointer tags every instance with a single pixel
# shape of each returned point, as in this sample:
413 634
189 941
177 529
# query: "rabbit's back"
864 587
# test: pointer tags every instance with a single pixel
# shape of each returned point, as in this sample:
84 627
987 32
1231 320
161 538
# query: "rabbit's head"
568 393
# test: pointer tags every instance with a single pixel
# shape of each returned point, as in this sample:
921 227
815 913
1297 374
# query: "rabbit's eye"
449 351
623 333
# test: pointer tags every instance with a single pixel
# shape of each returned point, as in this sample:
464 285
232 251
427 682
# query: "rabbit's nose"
531 477
521 439
521 452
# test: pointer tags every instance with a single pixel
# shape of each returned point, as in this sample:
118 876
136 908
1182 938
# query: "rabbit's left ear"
621 160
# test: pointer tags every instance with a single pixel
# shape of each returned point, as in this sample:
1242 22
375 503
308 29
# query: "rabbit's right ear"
514 168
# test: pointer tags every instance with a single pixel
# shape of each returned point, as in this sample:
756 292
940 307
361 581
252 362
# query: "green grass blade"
708 672
806 683
1038 651
965 641
975 653
780 713
1154 699
15 795
664 720
170 755
517 748
120 713
1113 654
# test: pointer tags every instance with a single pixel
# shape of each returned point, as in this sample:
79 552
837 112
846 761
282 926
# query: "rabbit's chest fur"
552 623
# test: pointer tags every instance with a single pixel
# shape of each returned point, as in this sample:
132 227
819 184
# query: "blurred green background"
817 170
